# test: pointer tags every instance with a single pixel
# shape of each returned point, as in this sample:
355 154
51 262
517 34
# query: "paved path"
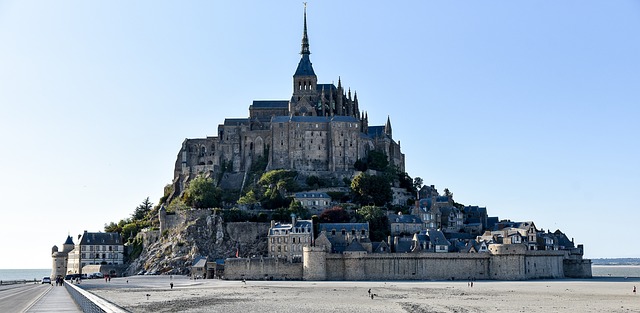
57 299
19 297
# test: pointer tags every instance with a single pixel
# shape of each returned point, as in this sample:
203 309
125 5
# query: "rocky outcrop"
194 233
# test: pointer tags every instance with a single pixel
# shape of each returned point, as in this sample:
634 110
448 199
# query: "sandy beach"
590 295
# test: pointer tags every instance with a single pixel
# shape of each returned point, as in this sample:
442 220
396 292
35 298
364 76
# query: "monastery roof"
326 87
376 131
100 239
235 121
267 104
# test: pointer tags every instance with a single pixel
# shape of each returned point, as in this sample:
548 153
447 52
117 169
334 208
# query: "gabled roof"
436 237
355 246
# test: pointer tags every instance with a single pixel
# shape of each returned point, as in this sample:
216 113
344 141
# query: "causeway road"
36 298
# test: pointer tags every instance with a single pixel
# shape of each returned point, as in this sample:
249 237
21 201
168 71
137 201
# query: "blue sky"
527 108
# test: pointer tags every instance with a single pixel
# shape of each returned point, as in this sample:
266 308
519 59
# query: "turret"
387 127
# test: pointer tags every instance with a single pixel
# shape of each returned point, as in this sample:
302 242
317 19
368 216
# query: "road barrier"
91 303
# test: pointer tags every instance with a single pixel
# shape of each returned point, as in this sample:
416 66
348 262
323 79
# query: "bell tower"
304 80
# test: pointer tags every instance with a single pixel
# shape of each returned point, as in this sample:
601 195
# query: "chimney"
293 219
273 223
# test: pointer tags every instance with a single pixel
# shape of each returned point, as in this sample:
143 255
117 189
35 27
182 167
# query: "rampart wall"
514 263
261 269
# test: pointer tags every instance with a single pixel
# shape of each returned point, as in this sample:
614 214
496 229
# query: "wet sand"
592 295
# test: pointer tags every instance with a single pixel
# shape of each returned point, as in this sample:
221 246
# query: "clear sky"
529 108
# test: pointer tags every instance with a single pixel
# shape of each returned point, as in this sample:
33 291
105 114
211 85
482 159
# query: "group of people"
59 281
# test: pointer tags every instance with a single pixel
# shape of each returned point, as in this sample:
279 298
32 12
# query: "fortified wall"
503 262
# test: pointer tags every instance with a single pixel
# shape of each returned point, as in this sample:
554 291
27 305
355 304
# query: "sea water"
24 274
615 270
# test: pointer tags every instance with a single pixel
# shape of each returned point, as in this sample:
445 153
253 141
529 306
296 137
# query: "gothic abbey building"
320 131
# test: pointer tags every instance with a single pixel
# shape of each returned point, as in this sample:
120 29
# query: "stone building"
96 249
61 258
319 131
315 202
286 241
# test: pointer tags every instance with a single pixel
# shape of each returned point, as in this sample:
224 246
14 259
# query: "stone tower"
61 258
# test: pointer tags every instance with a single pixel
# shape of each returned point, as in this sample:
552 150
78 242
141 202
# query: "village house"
286 241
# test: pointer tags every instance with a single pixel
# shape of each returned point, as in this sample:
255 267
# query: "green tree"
377 160
142 210
371 189
378 222
202 193
249 198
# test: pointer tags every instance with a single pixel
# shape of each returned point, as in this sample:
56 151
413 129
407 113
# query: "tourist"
171 284
634 290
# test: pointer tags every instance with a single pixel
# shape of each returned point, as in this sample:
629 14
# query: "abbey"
319 131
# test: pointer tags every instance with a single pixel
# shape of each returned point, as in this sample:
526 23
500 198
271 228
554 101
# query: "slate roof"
404 245
437 237
100 239
355 246
299 224
312 195
326 87
340 226
305 68
268 104
404 218
69 241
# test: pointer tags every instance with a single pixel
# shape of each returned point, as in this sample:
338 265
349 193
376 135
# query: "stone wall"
261 269
512 264
577 268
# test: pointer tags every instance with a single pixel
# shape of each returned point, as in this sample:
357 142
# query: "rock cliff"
195 233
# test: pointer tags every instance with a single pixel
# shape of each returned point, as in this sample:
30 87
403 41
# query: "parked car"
46 280
97 275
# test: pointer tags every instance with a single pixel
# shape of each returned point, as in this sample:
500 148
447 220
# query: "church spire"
305 39
387 127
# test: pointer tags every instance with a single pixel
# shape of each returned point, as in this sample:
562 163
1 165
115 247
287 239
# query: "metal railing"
89 302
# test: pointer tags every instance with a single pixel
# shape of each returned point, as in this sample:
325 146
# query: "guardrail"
91 303
22 281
